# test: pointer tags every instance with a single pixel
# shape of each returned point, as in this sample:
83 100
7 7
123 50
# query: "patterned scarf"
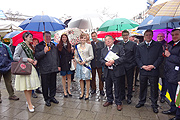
27 50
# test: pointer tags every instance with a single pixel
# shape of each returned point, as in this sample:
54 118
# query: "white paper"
177 68
111 56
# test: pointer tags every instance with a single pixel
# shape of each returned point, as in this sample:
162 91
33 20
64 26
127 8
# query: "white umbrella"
86 21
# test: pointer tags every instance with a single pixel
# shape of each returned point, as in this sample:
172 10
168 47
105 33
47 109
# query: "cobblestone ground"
72 108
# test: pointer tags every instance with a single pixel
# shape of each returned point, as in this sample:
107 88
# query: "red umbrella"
18 38
114 34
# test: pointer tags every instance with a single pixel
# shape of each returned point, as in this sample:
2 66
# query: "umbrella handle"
48 47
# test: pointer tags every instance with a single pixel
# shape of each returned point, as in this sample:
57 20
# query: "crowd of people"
116 62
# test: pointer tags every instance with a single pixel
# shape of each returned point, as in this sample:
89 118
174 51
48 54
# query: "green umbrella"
118 24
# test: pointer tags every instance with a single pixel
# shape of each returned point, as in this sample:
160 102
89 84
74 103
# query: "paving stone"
70 104
117 117
99 108
24 115
85 106
41 116
87 115
12 112
103 116
73 113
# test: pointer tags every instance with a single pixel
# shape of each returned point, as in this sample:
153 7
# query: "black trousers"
48 82
129 76
172 91
109 81
154 89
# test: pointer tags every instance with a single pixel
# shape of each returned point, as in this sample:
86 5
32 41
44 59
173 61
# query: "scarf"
27 50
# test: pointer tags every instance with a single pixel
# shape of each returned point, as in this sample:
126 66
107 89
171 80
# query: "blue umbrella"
42 23
159 22
11 34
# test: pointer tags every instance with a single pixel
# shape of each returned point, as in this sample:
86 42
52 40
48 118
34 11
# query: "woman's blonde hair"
82 35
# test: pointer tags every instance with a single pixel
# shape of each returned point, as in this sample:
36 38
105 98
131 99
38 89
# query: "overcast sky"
57 8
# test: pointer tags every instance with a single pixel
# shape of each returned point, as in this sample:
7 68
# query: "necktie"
174 44
109 48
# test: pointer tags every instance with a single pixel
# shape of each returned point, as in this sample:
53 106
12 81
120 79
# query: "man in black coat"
48 62
129 64
149 57
113 72
172 72
96 64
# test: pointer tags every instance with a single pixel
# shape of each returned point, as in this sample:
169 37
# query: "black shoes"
69 94
87 98
81 97
129 101
139 105
162 100
155 110
48 103
34 95
54 101
66 96
174 118
93 91
169 112
102 92
38 91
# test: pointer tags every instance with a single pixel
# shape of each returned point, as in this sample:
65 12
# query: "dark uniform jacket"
49 62
151 55
130 53
172 64
97 53
118 67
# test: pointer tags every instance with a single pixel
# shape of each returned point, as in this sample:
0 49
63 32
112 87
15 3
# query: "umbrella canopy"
18 38
89 21
42 23
73 35
81 24
114 34
169 8
158 22
118 24
11 34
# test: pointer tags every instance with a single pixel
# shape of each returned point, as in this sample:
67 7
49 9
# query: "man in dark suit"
172 72
95 63
48 62
149 57
129 64
113 72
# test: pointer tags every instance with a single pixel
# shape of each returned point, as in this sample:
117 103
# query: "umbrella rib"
176 11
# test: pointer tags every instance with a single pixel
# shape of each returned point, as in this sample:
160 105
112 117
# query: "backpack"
5 61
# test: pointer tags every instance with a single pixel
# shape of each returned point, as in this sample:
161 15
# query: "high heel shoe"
69 94
30 110
81 97
86 98
66 96
32 106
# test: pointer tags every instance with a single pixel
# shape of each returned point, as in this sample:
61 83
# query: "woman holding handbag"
65 54
83 56
26 83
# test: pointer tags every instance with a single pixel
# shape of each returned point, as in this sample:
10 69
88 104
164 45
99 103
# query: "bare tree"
105 12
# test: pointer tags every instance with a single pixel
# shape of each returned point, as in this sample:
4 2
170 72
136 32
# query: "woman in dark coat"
64 48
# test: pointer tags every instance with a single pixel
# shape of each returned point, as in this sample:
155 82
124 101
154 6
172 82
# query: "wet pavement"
72 108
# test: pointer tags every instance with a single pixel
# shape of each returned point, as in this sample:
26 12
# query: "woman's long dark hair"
60 44
25 35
